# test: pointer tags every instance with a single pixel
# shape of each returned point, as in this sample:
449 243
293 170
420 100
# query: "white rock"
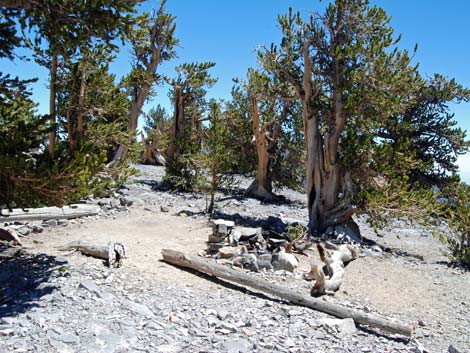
229 224
344 327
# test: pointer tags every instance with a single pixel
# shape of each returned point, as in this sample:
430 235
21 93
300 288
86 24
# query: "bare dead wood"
113 253
9 235
222 272
329 280
45 213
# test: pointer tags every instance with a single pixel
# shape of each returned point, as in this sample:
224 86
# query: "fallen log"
45 213
113 253
222 272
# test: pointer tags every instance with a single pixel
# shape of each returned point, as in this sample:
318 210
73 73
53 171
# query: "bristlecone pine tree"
332 61
271 107
60 28
188 92
153 42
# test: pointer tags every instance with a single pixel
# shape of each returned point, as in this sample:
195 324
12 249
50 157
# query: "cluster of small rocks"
90 308
252 248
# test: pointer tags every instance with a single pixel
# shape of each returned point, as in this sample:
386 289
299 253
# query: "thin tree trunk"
262 185
136 109
214 184
52 104
70 139
173 149
81 100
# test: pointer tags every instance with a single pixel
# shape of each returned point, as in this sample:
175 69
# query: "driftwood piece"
113 253
222 272
10 235
329 279
45 213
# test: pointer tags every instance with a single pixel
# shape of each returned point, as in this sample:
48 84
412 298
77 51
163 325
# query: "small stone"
237 346
344 327
452 349
50 223
248 332
164 209
227 326
93 288
23 231
230 251
140 309
228 224
222 315
212 321
126 201
63 222
68 338
284 261
37 229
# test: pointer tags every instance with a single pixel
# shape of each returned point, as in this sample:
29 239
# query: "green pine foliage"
214 156
240 132
188 94
458 197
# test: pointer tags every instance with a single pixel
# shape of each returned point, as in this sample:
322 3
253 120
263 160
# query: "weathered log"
45 213
222 272
113 253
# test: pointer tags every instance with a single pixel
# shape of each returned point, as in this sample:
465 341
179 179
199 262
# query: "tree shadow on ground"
229 193
271 224
24 279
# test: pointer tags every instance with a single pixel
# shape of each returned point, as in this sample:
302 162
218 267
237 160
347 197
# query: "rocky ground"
55 301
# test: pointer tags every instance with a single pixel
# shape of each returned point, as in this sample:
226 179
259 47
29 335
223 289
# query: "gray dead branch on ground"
179 259
113 253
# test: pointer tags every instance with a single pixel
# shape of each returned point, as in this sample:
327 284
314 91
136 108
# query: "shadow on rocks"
24 279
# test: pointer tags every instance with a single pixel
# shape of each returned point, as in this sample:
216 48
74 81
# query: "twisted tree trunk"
325 180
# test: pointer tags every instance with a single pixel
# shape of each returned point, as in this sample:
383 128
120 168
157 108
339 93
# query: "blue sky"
227 33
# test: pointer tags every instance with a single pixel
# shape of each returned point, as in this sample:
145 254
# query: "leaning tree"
153 42
339 64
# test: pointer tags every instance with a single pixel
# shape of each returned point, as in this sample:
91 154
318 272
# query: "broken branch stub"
179 259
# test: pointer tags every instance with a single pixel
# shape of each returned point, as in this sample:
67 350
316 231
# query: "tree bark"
52 104
219 271
156 43
177 131
325 180
81 100
262 185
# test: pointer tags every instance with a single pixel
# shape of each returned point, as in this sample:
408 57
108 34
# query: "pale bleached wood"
223 272
45 213
10 235
113 253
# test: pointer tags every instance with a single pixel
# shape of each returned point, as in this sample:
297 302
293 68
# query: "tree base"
347 232
260 192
